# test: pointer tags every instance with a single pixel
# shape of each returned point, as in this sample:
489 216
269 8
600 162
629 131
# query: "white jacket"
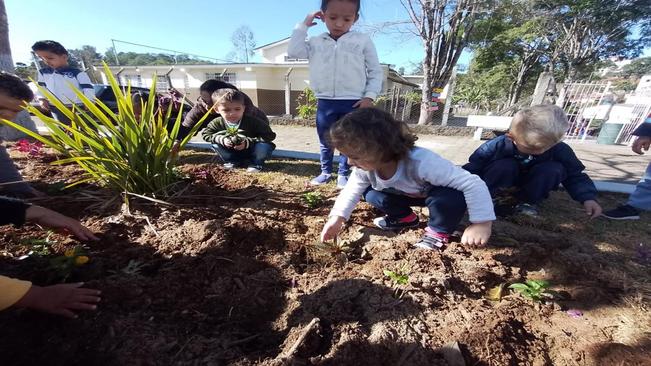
60 81
347 68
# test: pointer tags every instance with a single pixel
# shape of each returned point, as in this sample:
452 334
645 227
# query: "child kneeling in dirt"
393 175
237 137
530 160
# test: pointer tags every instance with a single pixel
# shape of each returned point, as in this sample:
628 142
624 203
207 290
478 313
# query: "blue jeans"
256 154
534 184
329 111
446 206
641 196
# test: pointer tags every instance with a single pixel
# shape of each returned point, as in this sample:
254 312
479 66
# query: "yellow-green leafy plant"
312 199
234 134
115 150
306 104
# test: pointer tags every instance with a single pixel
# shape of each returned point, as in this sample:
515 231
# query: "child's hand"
240 147
44 104
477 234
642 142
364 103
56 220
61 299
228 143
332 228
592 208
309 19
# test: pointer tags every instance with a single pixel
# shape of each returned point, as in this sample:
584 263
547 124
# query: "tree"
6 61
444 27
25 71
243 44
84 58
637 68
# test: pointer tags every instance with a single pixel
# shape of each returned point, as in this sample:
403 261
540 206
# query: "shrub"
306 104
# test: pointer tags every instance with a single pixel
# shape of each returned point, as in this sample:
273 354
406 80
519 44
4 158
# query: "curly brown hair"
372 134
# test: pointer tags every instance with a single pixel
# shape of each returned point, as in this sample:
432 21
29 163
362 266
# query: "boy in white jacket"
345 73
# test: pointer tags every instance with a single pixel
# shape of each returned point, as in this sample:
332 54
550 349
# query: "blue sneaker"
323 178
341 181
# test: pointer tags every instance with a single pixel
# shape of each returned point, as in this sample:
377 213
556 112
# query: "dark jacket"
12 211
577 183
254 129
198 111
9 173
644 129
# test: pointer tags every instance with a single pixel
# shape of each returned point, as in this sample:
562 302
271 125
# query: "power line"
163 49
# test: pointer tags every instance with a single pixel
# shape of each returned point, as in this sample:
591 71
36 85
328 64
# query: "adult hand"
364 103
641 143
55 220
332 228
477 234
309 19
62 299
592 208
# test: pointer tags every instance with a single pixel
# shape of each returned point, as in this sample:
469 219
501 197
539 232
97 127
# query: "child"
62 299
640 199
344 73
532 159
58 76
13 95
394 175
255 135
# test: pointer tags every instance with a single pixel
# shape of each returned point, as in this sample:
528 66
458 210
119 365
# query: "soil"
227 274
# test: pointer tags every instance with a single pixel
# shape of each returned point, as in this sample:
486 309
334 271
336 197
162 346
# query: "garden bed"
224 276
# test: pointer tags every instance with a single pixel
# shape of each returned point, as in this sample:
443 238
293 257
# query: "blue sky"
195 26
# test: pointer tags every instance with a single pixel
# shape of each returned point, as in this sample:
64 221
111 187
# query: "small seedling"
133 268
536 290
234 134
72 258
335 249
400 278
40 247
313 199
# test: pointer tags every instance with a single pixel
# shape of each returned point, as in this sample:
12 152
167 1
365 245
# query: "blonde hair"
539 126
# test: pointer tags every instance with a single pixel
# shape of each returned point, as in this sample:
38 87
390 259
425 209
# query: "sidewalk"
609 163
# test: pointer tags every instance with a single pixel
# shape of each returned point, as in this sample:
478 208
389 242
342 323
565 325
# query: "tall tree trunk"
6 61
428 86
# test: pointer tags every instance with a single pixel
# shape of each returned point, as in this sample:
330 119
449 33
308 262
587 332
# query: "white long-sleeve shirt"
347 68
414 177
58 82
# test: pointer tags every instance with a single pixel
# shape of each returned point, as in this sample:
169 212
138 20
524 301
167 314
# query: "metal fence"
581 101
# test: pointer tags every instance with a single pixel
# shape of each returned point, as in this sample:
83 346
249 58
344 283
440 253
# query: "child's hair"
12 86
372 134
324 4
50 46
540 126
228 95
211 85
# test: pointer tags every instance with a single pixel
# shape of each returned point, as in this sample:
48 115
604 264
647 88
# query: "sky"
193 26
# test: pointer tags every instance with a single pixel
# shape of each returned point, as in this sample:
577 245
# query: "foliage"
535 290
243 44
40 247
25 71
234 134
330 250
400 279
132 268
116 150
144 59
65 264
313 199
306 104
637 68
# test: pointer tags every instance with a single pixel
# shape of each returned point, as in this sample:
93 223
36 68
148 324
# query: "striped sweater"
58 82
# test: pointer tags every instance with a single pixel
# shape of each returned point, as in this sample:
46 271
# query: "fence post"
288 92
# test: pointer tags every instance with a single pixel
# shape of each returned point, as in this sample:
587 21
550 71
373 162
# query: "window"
229 77
135 80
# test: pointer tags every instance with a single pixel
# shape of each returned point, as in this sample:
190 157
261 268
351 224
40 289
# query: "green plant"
40 247
335 249
234 134
116 150
400 279
64 265
313 199
535 290
306 104
132 268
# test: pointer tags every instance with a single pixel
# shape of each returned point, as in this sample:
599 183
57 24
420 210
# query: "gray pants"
641 196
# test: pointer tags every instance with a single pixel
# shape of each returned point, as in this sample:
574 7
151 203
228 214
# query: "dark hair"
12 86
324 4
372 134
228 95
50 46
212 85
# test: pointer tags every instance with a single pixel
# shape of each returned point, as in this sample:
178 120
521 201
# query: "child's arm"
298 46
483 155
86 86
578 184
374 72
9 173
345 204
209 134
12 290
63 299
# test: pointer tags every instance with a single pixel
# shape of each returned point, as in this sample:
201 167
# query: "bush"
117 151
306 104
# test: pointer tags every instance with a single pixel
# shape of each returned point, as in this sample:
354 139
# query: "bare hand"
642 142
228 143
61 299
592 208
309 19
364 103
44 104
332 228
477 234
55 220
240 147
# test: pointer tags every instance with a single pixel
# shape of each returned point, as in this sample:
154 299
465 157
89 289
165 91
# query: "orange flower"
80 260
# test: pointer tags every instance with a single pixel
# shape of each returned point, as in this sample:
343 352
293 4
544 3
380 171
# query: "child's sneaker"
432 240
341 181
623 212
323 178
228 166
254 169
387 223
527 209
